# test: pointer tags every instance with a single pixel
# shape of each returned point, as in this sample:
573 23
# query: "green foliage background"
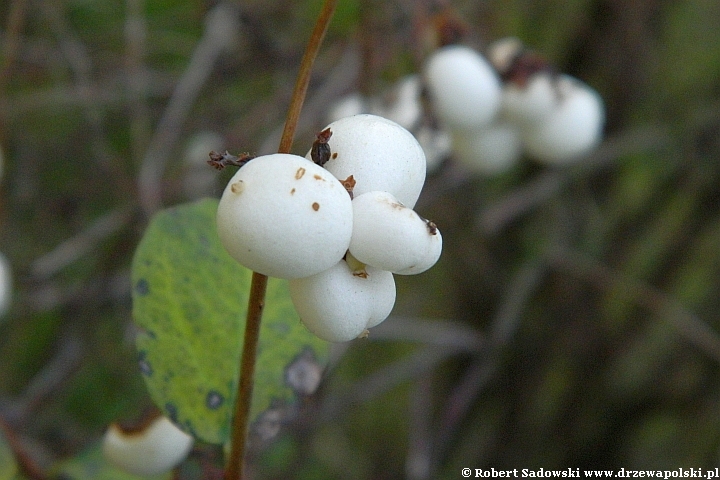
571 322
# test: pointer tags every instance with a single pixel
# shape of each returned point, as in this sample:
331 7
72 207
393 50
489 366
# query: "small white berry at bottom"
338 306
156 449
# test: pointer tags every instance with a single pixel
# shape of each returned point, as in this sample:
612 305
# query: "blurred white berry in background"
157 448
531 102
561 119
437 145
464 88
490 150
5 285
572 129
199 180
347 106
405 107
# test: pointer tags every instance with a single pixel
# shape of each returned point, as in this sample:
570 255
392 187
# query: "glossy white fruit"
338 306
490 150
464 89
532 102
283 216
572 129
405 107
379 154
156 449
199 180
5 284
437 145
347 106
390 236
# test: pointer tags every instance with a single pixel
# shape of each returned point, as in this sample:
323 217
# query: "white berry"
531 102
490 150
156 449
5 285
464 88
347 106
572 129
379 154
437 145
284 216
406 109
338 306
390 236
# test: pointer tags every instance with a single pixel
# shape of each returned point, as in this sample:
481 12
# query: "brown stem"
247 373
303 78
258 286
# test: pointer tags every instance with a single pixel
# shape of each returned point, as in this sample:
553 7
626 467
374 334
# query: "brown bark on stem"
258 286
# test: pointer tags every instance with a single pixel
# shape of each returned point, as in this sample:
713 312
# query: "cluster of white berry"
490 112
403 104
337 224
496 110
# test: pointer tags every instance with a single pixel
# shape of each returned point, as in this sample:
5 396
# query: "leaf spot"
171 411
142 287
145 367
214 400
303 374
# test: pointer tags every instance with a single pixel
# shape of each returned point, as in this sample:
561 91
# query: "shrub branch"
258 286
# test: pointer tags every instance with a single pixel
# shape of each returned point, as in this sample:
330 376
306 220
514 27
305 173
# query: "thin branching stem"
303 78
258 286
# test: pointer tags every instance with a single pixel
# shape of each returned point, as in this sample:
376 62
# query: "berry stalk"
258 287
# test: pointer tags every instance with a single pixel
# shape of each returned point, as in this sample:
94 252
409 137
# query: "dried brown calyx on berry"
320 151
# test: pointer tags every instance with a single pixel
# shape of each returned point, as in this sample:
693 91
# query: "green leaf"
189 300
8 467
91 465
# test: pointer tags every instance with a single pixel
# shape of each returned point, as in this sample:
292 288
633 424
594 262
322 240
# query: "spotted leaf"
189 302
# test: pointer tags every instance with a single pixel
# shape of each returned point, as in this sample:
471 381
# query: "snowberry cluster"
337 224
492 111
515 103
